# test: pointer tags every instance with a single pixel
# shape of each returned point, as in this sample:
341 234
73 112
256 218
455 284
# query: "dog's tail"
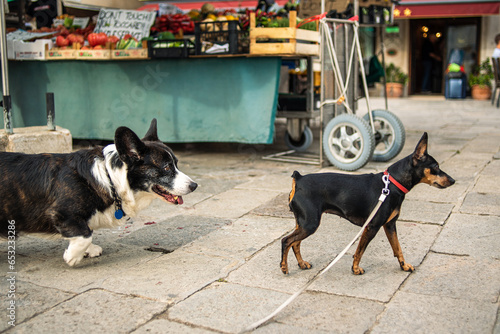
295 176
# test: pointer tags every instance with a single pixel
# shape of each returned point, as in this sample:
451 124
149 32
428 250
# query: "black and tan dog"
353 197
70 195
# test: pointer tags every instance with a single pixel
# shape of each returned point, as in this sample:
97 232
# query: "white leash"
383 195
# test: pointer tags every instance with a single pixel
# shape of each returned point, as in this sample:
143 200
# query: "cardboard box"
32 50
11 52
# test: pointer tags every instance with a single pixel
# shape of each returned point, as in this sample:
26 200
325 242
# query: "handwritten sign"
310 8
120 22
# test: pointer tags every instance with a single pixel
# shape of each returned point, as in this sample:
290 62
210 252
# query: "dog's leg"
76 249
294 240
392 236
367 236
93 251
296 250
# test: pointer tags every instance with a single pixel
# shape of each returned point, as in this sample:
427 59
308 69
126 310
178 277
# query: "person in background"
429 57
496 52
44 11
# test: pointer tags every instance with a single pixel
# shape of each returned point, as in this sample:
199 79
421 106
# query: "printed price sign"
119 22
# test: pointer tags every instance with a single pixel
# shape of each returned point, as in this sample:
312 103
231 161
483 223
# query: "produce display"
168 31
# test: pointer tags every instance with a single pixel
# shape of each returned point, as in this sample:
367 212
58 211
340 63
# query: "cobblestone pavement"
212 264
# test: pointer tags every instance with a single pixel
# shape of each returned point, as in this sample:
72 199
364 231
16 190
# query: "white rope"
385 193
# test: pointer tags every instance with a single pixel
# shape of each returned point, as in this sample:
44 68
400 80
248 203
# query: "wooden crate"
103 54
58 54
298 42
129 54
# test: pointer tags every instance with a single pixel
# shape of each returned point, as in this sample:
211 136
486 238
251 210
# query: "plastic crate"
172 48
220 37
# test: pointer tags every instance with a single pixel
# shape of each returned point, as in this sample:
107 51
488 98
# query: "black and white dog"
72 194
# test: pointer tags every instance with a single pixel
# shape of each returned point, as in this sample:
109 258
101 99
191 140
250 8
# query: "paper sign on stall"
120 22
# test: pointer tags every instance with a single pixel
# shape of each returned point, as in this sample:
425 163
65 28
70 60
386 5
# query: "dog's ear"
152 134
421 149
129 146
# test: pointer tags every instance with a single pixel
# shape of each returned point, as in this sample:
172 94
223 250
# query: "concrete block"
36 139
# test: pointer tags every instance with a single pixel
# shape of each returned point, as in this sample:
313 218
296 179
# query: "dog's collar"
119 213
396 183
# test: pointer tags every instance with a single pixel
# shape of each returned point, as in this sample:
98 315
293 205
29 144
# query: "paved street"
212 264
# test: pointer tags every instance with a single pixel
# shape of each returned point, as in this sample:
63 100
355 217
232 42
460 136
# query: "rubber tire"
365 143
303 144
396 129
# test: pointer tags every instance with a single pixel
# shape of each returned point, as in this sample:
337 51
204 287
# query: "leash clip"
385 190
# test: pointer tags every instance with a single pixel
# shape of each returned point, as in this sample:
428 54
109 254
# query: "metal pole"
51 114
7 116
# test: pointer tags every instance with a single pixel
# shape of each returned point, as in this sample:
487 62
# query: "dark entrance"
459 34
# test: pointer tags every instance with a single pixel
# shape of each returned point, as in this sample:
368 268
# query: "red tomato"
61 41
128 36
113 39
75 38
97 39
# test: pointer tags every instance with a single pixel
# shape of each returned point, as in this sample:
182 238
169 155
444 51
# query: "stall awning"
408 9
231 4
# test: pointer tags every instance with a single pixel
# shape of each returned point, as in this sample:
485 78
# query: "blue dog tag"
118 214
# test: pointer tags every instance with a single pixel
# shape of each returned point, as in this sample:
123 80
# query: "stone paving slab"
236 307
243 238
426 212
54 272
470 235
170 277
278 207
487 184
174 232
331 313
263 269
164 326
459 277
481 203
234 203
423 313
94 311
383 275
30 300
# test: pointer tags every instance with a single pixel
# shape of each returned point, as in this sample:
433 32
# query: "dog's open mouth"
166 195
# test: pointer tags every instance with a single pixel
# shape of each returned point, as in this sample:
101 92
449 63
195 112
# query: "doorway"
459 34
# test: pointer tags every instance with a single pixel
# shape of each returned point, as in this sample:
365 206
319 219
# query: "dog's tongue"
174 199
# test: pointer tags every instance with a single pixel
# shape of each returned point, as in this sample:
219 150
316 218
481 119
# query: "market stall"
218 85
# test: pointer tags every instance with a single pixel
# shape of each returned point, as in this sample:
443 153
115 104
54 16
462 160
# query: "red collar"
396 183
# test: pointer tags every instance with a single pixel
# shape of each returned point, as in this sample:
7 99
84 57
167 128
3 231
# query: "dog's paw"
407 267
71 258
93 251
357 270
305 265
284 268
